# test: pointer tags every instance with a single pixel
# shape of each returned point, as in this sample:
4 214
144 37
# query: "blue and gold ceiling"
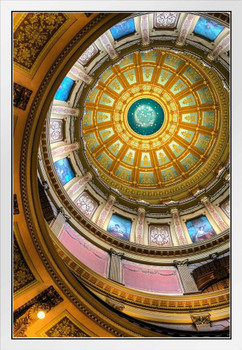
151 120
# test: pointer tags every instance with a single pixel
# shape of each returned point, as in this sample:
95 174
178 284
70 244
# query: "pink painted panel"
84 251
155 279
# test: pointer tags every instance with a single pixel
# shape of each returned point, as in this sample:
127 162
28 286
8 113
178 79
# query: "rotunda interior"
121 174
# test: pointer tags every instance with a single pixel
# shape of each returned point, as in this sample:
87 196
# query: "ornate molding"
21 96
65 328
116 305
150 301
201 321
22 273
44 29
27 313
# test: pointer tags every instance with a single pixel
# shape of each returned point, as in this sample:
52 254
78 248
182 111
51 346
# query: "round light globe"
41 315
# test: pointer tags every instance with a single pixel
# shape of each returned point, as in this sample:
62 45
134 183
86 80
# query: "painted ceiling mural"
151 121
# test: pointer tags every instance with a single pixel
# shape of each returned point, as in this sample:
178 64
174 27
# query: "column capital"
113 252
141 210
88 175
201 320
112 197
62 212
214 256
174 211
227 177
181 262
45 185
205 199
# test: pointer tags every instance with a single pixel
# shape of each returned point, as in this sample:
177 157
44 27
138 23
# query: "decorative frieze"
79 185
78 73
178 227
144 27
22 274
65 328
88 54
187 279
139 230
86 204
63 110
42 28
185 29
56 130
215 215
106 210
159 235
65 150
108 46
166 19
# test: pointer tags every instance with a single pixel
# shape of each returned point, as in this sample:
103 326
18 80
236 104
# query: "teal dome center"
145 116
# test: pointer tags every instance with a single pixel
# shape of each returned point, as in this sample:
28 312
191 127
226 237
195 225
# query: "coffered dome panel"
151 121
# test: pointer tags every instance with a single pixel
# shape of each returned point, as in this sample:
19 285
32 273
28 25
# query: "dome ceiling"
154 124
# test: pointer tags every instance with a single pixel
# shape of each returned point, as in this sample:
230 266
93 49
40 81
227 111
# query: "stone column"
108 47
221 46
59 222
180 234
139 230
187 279
106 211
115 266
215 215
78 186
185 29
62 151
63 110
145 31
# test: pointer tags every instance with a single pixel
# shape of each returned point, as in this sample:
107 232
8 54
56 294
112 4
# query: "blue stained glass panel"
64 170
64 89
200 229
123 28
120 226
208 28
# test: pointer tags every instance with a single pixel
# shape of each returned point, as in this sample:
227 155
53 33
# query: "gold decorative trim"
65 331
214 156
42 38
37 279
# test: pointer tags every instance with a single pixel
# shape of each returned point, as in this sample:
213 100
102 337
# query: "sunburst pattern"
183 142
